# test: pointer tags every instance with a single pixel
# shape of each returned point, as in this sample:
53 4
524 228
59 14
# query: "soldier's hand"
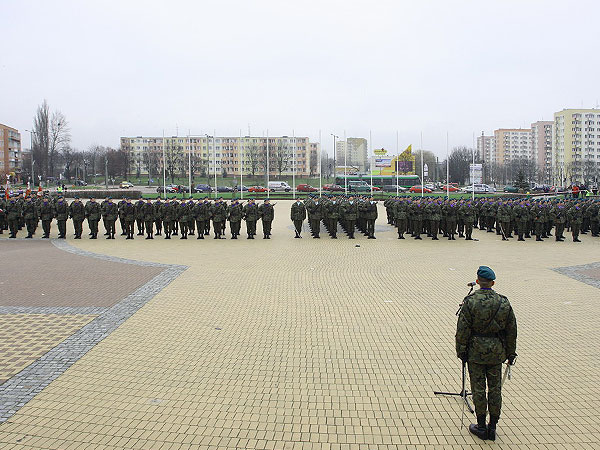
511 360
463 357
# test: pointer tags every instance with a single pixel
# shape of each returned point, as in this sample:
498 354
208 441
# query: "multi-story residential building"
486 148
214 154
541 142
576 146
353 152
512 144
10 150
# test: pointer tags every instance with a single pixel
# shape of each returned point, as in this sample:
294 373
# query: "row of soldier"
171 216
522 217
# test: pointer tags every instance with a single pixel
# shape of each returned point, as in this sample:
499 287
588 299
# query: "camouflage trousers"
479 373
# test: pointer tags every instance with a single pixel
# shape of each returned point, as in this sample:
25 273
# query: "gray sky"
128 68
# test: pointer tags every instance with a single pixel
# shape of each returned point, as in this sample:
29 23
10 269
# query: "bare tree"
313 163
173 160
41 126
253 151
280 155
429 160
68 156
151 162
58 136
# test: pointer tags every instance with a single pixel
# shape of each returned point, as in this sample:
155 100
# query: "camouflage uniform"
486 335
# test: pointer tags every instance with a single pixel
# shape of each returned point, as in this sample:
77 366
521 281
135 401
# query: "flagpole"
447 167
294 169
370 153
268 190
345 164
215 161
190 163
164 168
397 159
319 156
241 154
422 169
473 170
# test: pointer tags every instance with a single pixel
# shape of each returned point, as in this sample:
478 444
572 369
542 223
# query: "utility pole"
106 171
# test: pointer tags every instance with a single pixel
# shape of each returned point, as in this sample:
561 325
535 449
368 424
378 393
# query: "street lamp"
31 133
334 156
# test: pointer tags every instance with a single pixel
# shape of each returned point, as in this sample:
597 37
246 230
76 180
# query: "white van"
275 186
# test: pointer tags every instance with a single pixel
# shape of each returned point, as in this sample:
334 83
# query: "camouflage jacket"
487 328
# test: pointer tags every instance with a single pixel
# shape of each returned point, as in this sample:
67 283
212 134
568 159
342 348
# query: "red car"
450 188
306 188
420 189
333 188
257 189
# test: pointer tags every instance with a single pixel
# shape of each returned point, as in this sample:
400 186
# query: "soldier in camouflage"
486 336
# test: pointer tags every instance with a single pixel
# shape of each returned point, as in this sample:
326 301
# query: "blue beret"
486 272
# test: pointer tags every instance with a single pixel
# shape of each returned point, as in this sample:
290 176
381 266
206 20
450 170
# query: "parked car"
419 189
203 188
358 186
280 186
125 185
510 188
257 189
224 189
80 183
393 188
241 188
430 186
169 190
480 189
333 188
449 188
305 188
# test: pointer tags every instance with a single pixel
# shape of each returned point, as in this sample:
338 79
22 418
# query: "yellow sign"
380 151
404 164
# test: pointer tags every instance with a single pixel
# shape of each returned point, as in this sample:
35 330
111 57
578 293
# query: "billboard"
383 162
380 151
404 166
476 170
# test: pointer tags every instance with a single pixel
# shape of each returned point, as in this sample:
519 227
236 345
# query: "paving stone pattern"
26 337
55 359
320 344
39 274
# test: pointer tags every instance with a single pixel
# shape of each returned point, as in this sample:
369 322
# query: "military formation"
162 217
417 217
522 218
350 212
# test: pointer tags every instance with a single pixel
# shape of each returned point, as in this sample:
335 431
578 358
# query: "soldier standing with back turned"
486 336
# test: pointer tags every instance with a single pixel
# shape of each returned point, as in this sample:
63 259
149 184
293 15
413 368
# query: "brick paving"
26 337
39 274
320 344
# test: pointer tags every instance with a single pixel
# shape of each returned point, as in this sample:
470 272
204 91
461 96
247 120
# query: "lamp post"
334 156
31 133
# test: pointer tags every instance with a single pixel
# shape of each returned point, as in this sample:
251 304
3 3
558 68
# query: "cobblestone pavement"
327 344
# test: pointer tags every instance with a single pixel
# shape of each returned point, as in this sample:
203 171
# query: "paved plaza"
286 343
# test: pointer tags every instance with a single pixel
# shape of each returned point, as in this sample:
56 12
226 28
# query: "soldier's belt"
486 335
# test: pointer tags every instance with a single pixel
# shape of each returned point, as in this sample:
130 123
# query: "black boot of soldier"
479 429
491 429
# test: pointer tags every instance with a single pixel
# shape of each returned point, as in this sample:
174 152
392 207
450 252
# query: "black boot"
491 429
479 429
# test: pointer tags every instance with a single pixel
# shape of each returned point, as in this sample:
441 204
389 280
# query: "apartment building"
10 150
353 152
512 144
218 154
576 146
486 148
541 142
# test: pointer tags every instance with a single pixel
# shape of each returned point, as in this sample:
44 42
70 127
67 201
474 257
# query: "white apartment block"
353 152
541 142
486 148
234 155
576 146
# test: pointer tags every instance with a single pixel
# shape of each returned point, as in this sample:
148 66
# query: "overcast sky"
129 68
